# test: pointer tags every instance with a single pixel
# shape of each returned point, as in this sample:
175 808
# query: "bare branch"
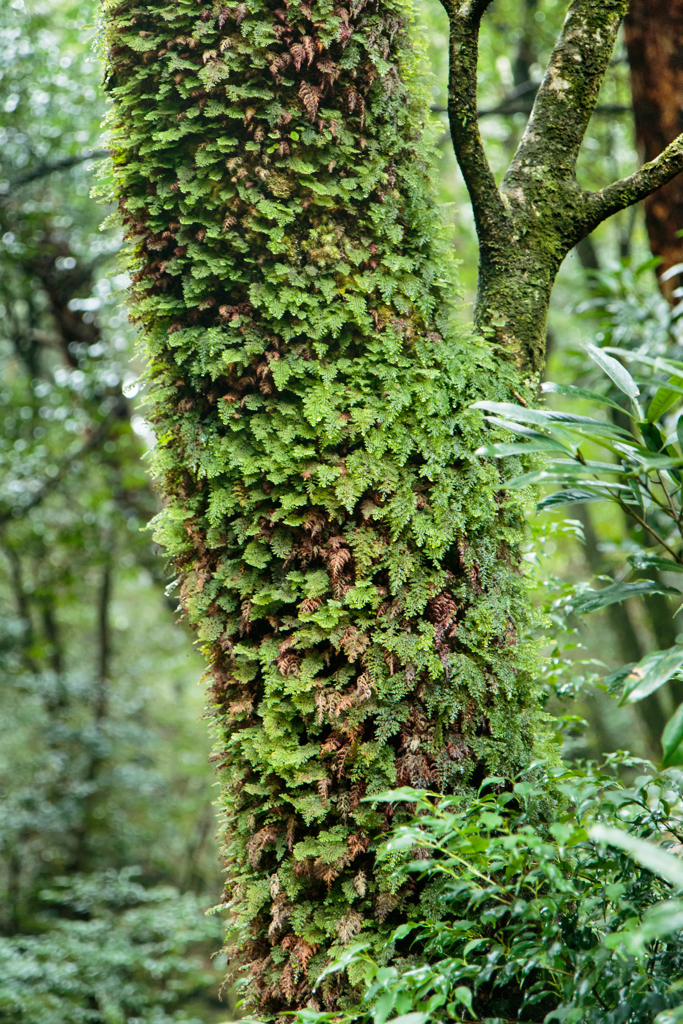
43 170
48 486
597 206
487 203
568 94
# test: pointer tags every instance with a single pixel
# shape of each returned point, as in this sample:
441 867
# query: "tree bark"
654 41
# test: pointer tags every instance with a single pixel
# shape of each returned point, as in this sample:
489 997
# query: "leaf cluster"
526 920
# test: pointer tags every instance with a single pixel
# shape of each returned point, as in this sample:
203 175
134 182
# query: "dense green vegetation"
107 858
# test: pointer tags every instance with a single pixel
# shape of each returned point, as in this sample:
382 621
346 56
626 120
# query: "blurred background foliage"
107 853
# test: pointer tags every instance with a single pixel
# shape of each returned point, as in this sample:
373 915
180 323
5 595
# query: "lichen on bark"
351 566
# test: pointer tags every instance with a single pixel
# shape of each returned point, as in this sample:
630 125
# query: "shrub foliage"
351 567
524 920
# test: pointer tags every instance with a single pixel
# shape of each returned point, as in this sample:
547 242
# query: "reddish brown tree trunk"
654 40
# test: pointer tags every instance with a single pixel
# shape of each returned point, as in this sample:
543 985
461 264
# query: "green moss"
351 567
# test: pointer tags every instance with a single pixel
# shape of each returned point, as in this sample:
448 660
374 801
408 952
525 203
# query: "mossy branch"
528 225
647 179
487 203
568 94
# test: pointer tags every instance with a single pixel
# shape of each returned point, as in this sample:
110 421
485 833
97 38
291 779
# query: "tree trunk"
654 41
352 568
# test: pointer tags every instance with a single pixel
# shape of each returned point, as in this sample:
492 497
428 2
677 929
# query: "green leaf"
501 451
549 387
643 560
569 496
671 272
673 1016
652 857
652 672
464 996
613 368
663 400
654 440
672 737
591 600
519 428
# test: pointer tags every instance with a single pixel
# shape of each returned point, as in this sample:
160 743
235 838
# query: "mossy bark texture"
351 567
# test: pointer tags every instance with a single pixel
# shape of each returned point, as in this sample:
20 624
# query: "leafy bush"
633 458
110 951
527 921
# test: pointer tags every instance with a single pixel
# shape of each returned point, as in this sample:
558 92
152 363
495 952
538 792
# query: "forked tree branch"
540 212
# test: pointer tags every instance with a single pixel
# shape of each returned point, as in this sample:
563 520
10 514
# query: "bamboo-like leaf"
504 412
663 400
648 561
519 428
652 436
567 471
514 412
650 856
653 671
671 272
569 496
657 462
501 451
549 387
613 368
672 737
592 600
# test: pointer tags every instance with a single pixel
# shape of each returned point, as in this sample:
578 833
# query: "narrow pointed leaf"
653 438
672 738
648 855
519 413
671 272
519 428
613 368
663 400
569 497
592 600
652 672
501 451
549 387
647 561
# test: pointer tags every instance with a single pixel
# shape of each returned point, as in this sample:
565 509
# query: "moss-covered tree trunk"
351 566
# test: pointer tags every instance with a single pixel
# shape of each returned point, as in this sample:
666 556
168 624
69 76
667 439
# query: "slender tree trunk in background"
104 642
654 41
352 567
97 752
628 645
